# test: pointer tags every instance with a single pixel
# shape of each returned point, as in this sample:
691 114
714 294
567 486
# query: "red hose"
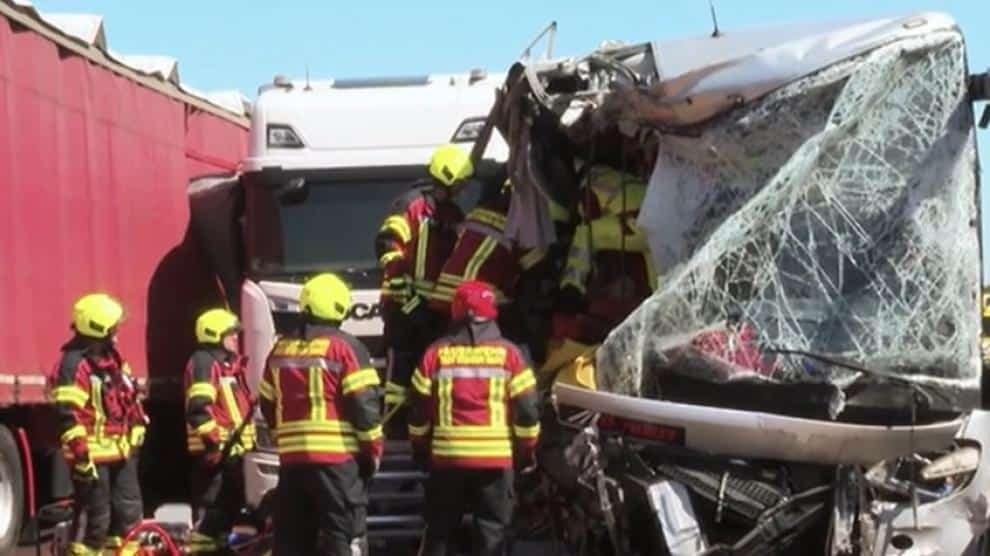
150 527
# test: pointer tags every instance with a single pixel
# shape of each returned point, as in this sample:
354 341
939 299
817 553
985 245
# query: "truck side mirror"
293 192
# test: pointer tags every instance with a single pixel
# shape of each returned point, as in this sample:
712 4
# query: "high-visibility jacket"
321 398
474 401
483 252
96 399
217 401
413 244
609 260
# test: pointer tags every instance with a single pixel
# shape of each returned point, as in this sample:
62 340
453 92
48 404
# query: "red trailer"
95 158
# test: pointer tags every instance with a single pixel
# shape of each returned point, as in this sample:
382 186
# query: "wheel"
11 491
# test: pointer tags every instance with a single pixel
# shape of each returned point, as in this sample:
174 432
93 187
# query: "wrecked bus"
807 374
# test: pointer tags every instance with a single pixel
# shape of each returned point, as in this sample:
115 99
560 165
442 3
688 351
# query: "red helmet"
473 298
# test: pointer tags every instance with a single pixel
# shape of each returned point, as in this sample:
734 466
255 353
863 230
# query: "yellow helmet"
326 296
449 165
95 315
214 324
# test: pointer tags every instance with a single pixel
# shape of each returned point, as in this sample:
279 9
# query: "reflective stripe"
277 380
532 258
316 347
495 235
419 431
302 363
421 384
496 390
445 399
325 444
360 379
389 256
203 390
422 242
206 428
71 395
369 435
471 372
521 382
266 390
317 403
526 432
478 448
472 431
479 257
489 217
228 395
397 224
73 433
411 305
99 414
324 426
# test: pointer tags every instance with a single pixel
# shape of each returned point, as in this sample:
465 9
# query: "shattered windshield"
803 201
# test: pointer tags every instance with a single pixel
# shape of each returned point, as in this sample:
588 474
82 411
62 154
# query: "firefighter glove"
213 455
368 466
136 436
84 471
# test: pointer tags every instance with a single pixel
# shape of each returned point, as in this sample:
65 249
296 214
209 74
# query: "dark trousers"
320 509
217 495
487 493
406 338
108 506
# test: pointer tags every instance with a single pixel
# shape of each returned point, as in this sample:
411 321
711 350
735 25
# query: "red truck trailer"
95 157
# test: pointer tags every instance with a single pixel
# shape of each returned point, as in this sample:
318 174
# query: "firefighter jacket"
321 397
412 246
474 401
217 401
96 398
609 260
483 252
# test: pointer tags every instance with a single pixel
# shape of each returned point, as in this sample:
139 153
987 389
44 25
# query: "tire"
11 491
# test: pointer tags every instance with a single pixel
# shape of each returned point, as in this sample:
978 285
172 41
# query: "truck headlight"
283 137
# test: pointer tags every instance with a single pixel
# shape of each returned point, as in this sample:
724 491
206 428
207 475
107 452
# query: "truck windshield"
332 228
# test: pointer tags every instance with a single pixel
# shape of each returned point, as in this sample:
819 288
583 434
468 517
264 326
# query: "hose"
149 527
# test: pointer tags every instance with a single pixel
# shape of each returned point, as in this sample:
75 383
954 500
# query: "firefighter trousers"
320 509
218 495
487 493
406 338
108 507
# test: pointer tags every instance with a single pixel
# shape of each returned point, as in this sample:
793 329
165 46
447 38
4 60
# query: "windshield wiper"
927 395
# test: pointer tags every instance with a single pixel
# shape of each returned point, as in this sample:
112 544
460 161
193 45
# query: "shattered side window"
836 216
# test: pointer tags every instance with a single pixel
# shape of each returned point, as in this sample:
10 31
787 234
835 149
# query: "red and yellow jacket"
474 401
321 398
483 252
217 401
96 399
412 246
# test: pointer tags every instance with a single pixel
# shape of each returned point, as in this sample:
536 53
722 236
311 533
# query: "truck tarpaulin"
94 165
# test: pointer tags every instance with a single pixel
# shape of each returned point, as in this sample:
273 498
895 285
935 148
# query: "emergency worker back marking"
472 355
317 346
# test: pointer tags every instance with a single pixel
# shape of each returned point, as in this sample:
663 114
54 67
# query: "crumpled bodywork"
814 195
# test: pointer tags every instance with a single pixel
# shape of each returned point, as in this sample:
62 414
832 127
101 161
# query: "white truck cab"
325 160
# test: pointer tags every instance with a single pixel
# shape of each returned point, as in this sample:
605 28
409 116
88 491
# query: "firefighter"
321 398
474 417
412 245
483 252
217 403
609 270
101 427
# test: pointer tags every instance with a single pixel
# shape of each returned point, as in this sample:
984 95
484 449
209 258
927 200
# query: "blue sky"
222 44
